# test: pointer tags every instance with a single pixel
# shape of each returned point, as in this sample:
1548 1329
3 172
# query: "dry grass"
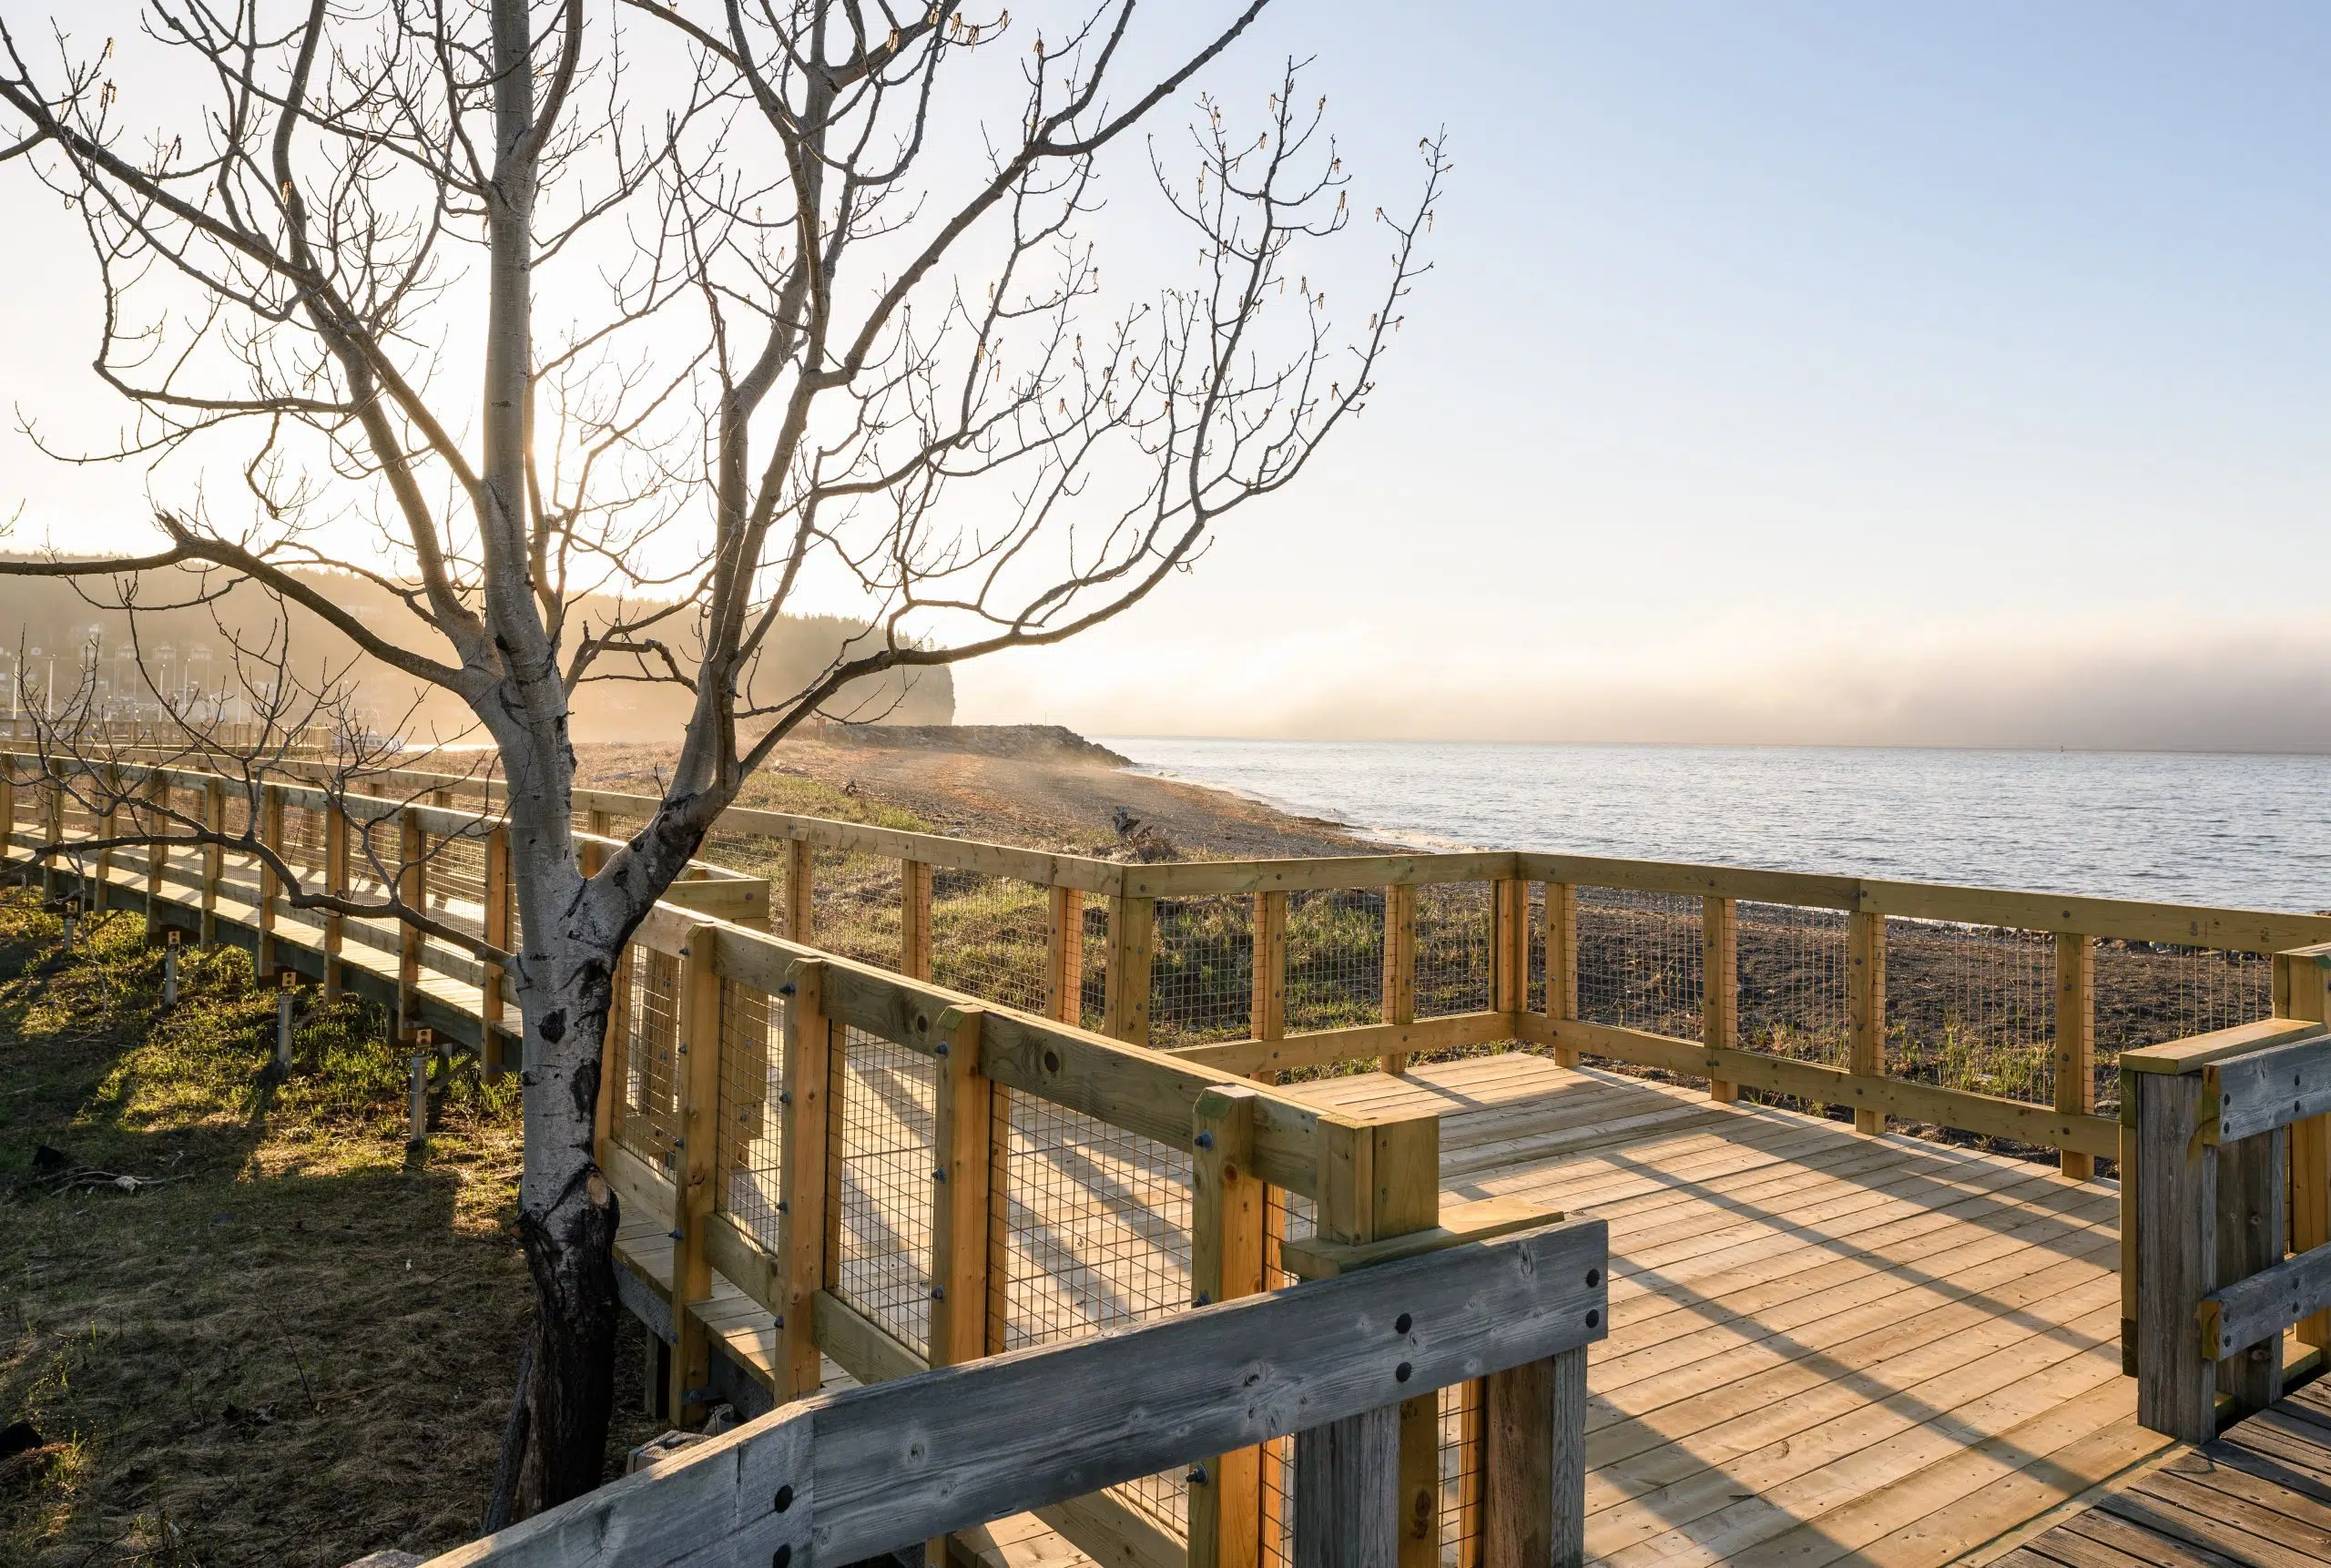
295 1346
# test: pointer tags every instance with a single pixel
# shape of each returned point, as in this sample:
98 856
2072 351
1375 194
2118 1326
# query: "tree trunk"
567 1216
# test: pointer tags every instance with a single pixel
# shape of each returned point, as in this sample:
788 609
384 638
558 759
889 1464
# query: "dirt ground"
242 1323
1045 798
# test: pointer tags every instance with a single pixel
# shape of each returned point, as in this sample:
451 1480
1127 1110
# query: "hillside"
49 628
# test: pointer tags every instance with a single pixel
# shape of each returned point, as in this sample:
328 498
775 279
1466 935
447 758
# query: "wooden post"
695 1184
336 855
1226 1263
962 1125
413 888
2076 1040
1346 1475
1561 962
2177 1252
270 885
2251 1192
1866 1005
1132 941
1510 945
1399 964
498 929
801 1214
1064 955
599 824
2130 1177
157 856
214 858
800 895
8 809
111 784
1534 1464
1267 1021
53 830
1267 1018
1720 985
2300 980
961 1128
914 919
1381 1176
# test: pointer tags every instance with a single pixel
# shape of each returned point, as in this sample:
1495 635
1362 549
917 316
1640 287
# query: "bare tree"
829 349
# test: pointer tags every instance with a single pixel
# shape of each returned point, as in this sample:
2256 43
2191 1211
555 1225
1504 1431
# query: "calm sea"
2253 831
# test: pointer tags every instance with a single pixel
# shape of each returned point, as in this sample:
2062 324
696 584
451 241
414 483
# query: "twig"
315 1406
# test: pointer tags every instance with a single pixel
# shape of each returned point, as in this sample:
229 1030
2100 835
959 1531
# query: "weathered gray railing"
2229 1192
843 1477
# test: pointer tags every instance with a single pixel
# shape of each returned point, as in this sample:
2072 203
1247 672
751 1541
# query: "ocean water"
2252 831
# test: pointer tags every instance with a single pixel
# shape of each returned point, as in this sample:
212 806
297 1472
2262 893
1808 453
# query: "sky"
1942 374
1904 374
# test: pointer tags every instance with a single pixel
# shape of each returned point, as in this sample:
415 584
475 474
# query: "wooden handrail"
2070 1123
2212 1120
877 1468
2197 925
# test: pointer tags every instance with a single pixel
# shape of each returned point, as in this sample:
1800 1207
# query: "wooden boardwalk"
1825 1348
2258 1497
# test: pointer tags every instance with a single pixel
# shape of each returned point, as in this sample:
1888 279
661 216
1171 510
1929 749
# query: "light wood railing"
2230 1245
940 1178
842 1478
1529 970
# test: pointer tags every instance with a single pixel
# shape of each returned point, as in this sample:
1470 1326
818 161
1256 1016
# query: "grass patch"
251 1325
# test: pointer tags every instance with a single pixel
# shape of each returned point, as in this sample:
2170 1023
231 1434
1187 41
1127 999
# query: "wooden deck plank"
2259 1496
1951 1508
1927 1398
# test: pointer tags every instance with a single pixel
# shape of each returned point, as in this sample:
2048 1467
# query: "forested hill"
50 626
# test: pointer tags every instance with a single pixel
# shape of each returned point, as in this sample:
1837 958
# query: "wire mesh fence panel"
989 936
1093 972
880 1166
1639 961
1286 1216
2149 992
651 1033
1335 958
454 876
303 836
615 826
1534 997
188 802
1460 1474
1972 1007
857 912
751 1147
1201 969
1453 938
80 793
237 815
1091 1230
456 869
756 855
1792 982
